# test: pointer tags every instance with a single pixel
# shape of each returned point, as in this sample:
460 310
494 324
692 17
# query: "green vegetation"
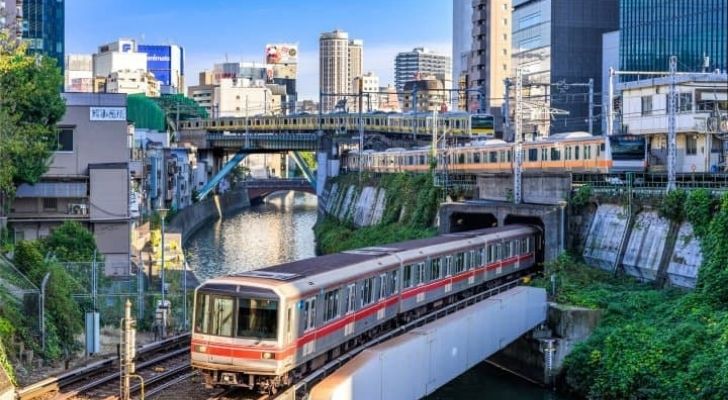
69 243
581 196
30 106
411 207
653 343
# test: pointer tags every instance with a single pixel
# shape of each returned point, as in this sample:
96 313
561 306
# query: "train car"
262 329
482 125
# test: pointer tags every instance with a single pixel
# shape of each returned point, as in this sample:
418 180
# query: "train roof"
319 273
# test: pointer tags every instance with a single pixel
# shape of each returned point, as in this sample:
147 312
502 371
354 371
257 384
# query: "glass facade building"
653 30
44 28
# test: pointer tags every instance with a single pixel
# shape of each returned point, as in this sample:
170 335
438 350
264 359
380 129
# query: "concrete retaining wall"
536 188
192 218
649 253
362 206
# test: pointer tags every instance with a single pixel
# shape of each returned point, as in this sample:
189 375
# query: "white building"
369 84
701 120
131 82
340 60
413 65
238 98
78 73
121 55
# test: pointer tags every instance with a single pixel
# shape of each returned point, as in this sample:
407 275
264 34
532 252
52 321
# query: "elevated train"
456 123
263 329
574 152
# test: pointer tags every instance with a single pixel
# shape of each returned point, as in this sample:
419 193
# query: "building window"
65 139
646 105
691 145
685 102
529 20
50 204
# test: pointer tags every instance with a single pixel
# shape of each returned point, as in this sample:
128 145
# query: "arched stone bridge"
259 188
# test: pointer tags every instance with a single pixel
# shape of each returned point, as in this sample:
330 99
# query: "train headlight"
268 356
201 349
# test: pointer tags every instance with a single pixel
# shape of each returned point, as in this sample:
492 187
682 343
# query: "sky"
212 30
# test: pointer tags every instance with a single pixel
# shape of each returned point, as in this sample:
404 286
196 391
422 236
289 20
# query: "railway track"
158 363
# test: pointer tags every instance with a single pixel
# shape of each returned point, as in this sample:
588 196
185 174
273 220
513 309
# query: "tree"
71 242
30 107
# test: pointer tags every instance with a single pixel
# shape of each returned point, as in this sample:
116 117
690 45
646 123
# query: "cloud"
378 59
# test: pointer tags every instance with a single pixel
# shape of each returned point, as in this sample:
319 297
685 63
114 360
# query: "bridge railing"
651 182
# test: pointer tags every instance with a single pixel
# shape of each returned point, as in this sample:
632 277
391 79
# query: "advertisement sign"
281 53
159 62
107 113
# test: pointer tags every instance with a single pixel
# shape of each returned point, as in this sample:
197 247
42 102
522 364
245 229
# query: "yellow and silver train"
570 152
457 124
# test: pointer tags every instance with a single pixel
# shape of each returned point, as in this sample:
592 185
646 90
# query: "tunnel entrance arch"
464 221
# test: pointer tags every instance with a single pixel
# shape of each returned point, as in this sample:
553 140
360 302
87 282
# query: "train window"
587 152
350 298
502 156
567 155
423 159
532 154
459 262
576 152
331 304
476 158
448 265
214 315
309 313
555 154
461 158
393 278
493 157
435 268
601 147
383 294
367 291
257 318
509 155
544 154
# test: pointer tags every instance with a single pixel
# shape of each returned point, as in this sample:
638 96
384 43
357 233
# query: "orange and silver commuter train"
574 152
262 329
456 123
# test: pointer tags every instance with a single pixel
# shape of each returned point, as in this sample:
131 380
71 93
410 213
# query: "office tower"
44 28
653 30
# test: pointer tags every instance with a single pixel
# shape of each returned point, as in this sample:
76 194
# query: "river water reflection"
280 230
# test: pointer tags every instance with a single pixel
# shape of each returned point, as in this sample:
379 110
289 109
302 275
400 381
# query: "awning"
53 189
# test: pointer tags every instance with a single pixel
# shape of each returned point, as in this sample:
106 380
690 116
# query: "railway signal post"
128 351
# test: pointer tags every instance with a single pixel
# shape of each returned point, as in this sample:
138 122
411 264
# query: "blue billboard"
159 62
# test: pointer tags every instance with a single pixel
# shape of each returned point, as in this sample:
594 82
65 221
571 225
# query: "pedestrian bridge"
259 188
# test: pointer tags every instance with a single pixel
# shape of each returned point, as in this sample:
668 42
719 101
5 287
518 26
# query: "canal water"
280 230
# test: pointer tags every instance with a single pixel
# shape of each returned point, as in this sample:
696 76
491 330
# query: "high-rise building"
282 68
44 28
167 64
490 60
462 42
123 69
78 73
11 17
340 60
412 65
356 60
561 41
653 30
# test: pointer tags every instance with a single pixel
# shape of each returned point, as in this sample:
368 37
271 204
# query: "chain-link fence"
20 302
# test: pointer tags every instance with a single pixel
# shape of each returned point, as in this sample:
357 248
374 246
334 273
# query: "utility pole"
591 106
414 109
518 148
671 135
506 108
361 126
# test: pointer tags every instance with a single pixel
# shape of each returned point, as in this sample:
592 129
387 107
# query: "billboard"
281 53
159 62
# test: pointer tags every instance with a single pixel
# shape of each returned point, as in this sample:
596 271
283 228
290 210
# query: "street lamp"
162 215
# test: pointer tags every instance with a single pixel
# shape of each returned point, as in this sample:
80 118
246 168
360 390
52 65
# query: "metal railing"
650 181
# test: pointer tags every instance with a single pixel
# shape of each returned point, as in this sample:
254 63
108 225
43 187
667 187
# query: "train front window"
214 315
257 318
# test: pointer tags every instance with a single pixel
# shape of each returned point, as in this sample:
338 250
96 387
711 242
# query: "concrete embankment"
362 205
192 218
642 244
